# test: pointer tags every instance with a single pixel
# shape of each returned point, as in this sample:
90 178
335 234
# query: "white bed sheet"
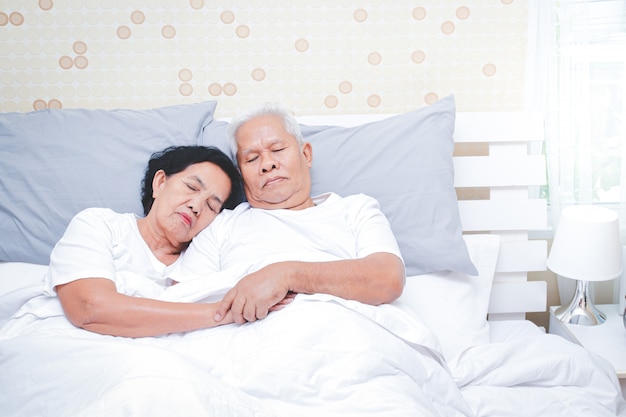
319 356
541 374
16 275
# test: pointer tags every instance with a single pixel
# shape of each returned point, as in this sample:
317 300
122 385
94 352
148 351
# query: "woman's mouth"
186 218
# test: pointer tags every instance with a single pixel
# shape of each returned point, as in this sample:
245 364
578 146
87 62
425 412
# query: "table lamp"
586 247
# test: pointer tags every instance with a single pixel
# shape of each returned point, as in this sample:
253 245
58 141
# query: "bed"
455 187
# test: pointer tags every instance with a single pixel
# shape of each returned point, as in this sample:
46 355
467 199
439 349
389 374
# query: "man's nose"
268 164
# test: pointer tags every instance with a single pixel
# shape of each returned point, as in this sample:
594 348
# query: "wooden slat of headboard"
517 297
522 256
499 171
499 127
485 215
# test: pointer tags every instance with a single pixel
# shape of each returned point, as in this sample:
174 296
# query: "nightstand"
607 339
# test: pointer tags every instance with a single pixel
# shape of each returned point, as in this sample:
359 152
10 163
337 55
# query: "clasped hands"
257 294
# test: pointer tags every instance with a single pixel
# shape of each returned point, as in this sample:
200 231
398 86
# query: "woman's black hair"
175 159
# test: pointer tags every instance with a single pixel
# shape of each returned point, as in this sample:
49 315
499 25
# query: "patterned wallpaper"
322 56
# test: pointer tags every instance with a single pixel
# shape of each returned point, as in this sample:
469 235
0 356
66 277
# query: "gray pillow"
54 163
405 162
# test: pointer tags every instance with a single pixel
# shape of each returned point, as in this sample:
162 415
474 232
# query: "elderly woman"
109 268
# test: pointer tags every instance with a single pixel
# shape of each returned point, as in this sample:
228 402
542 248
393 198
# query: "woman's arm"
94 304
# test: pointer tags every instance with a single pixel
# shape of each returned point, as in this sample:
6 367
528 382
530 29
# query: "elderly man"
293 242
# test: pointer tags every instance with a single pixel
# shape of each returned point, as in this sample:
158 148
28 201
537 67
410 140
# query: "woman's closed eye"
213 206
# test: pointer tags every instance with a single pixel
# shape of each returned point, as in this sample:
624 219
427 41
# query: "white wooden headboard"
508 172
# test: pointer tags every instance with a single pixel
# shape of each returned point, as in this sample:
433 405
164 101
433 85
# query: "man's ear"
307 151
158 181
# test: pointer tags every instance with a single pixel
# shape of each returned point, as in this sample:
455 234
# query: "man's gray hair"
266 109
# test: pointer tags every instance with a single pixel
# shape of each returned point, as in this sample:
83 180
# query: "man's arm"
375 279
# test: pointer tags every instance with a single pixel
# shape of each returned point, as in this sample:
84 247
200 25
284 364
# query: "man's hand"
256 294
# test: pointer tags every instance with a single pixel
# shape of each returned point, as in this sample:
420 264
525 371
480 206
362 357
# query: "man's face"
274 168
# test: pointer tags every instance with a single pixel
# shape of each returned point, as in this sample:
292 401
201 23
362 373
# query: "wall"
323 56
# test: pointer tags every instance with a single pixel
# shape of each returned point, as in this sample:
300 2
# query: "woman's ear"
158 181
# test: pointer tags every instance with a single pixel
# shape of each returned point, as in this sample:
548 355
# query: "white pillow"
452 304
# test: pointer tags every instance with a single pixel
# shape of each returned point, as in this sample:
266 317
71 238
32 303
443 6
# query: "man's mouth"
273 181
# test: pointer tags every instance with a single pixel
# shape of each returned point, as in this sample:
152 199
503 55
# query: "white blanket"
320 356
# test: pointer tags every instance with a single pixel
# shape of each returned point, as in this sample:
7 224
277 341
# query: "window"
580 84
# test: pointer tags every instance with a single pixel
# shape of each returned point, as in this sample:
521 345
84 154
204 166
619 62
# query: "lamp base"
580 310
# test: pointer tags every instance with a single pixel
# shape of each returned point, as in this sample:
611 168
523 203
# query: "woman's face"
188 201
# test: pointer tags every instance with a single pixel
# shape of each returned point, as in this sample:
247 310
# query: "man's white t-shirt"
335 228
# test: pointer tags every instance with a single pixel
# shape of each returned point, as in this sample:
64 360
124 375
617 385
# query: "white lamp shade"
587 244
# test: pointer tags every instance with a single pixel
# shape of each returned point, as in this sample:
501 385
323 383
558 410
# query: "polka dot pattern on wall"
196 4
230 89
345 87
168 31
360 15
16 19
215 89
52 104
374 101
328 57
331 102
463 13
79 47
242 31
258 74
123 32
419 13
374 58
45 4
81 62
66 62
227 17
448 27
302 45
431 98
418 57
137 17
39 105
489 70
185 89
185 74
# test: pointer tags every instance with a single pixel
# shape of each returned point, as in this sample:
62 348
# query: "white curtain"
577 77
